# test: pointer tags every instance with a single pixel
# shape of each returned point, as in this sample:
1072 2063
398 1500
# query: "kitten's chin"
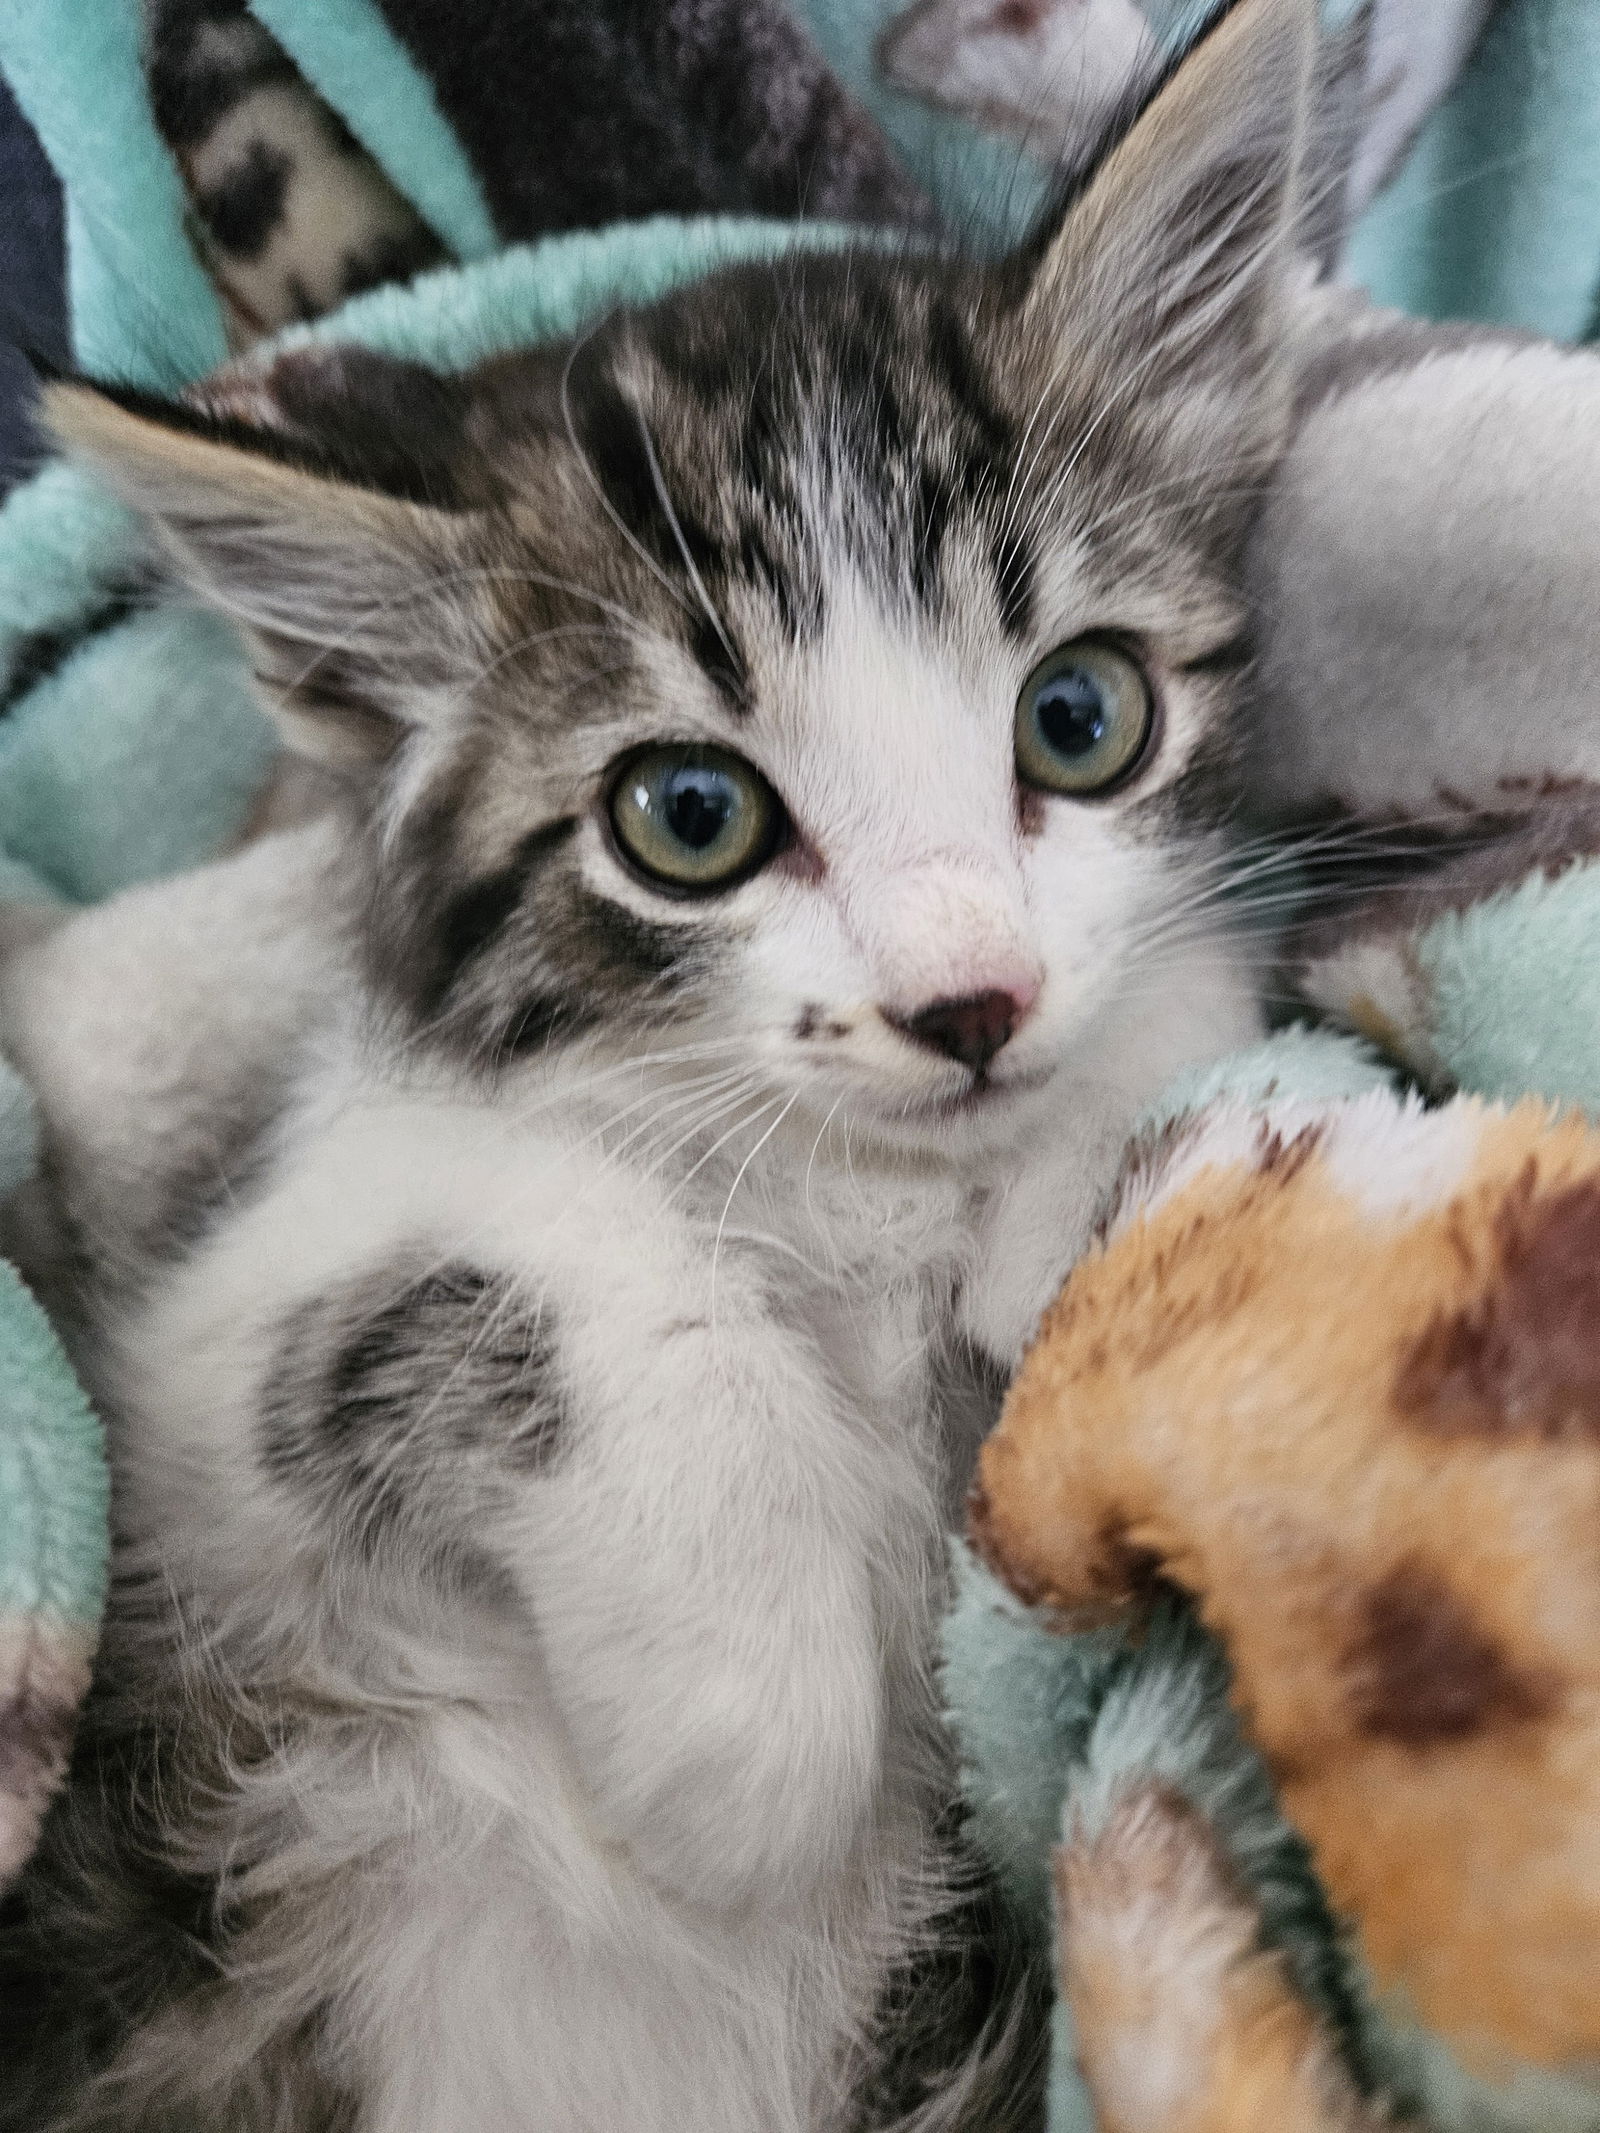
983 1098
986 1113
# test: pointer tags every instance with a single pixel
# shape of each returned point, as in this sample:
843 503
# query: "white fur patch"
1047 72
1396 1159
1378 987
1392 1156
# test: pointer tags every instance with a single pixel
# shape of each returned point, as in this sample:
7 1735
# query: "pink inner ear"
1019 18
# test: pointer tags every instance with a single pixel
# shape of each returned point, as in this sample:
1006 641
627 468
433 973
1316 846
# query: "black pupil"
1071 710
698 804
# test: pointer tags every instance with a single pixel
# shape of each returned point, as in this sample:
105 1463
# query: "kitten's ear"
341 587
1174 253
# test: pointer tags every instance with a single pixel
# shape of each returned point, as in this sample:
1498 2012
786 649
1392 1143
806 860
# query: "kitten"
789 738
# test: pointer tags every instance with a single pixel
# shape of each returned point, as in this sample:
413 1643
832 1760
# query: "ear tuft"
335 585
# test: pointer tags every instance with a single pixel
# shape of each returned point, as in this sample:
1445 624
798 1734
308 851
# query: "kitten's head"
836 663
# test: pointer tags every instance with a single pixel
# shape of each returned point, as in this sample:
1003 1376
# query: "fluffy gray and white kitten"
543 1234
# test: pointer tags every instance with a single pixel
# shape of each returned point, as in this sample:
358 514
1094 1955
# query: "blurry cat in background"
1050 73
547 1234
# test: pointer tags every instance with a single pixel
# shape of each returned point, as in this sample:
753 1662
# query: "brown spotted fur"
1368 1443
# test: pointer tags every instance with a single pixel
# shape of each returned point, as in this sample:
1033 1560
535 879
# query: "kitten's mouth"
982 1093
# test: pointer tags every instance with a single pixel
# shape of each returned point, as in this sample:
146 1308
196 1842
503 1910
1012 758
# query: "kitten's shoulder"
159 1031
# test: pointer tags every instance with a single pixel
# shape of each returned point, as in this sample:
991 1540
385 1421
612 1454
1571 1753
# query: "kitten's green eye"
1083 719
698 818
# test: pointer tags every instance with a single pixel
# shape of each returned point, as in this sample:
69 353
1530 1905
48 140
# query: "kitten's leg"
700 1567
687 1889
1032 1232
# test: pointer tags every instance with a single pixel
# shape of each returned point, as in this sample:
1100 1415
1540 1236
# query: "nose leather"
971 1029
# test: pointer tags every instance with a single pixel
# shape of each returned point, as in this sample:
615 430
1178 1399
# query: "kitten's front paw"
704 1568
755 1785
727 1719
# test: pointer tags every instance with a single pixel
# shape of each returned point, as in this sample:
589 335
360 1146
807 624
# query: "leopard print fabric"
574 113
289 212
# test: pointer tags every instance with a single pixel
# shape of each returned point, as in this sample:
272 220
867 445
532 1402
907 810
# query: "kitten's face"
787 782
833 668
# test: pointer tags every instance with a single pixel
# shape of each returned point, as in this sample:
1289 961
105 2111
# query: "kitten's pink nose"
972 1029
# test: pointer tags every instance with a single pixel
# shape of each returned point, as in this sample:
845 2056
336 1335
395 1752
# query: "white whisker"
593 478
738 1180
689 563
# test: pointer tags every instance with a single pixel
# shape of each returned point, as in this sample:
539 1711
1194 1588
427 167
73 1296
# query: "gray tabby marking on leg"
394 1407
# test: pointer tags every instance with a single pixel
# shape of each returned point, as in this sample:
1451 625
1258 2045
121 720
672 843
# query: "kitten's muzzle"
973 1029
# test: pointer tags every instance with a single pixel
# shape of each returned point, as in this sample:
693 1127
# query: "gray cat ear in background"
1414 53
1172 258
1049 74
